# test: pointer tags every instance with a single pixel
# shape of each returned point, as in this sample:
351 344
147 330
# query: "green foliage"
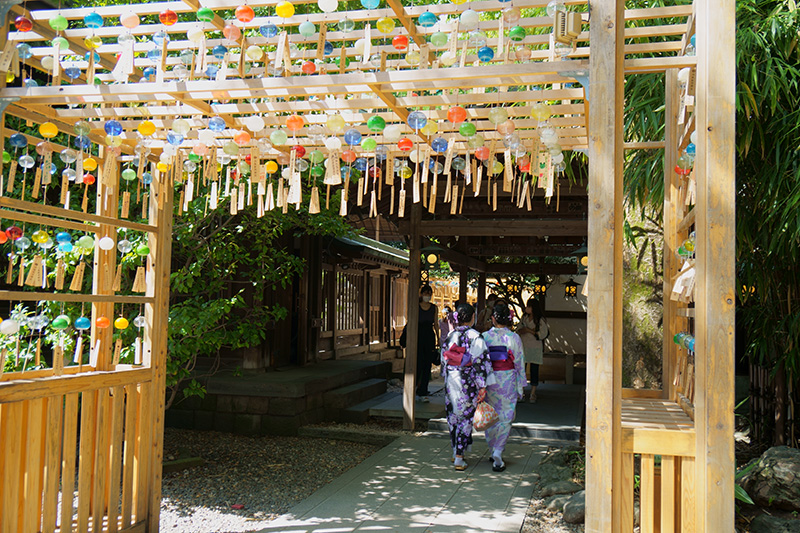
767 174
223 266
739 491
768 179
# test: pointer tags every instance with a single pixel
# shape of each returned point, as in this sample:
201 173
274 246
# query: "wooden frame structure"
682 435
688 425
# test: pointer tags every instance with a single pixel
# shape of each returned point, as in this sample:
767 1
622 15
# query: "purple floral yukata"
508 386
463 381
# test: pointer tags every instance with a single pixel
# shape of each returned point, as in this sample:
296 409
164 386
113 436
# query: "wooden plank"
34 442
52 461
101 457
143 449
131 415
14 450
115 457
626 498
88 218
645 145
139 527
672 210
21 389
4 435
687 221
658 441
688 495
412 325
639 393
668 504
43 221
604 320
156 338
647 494
716 254
86 457
68 461
38 296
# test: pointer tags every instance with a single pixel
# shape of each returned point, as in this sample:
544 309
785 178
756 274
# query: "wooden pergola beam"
488 76
194 5
549 269
40 118
353 106
401 112
405 20
488 228
459 258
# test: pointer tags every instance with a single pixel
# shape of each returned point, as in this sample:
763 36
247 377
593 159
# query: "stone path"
410 485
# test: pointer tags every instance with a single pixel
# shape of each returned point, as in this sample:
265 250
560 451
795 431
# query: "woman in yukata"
467 372
508 365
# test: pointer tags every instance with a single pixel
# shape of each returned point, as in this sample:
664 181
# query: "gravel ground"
539 520
267 475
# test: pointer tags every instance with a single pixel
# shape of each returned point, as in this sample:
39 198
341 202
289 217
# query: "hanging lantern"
570 289
539 288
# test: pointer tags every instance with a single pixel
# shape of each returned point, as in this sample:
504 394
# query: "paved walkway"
410 485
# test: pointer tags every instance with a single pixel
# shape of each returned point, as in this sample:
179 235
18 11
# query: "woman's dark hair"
502 314
426 289
536 309
465 313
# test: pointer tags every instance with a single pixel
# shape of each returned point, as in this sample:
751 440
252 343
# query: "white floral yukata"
505 350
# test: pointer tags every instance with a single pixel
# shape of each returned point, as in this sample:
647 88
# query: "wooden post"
314 294
481 303
412 327
463 279
604 328
672 211
386 309
333 308
104 265
364 303
154 349
303 321
715 291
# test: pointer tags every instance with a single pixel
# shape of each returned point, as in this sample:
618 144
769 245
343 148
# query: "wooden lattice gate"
82 444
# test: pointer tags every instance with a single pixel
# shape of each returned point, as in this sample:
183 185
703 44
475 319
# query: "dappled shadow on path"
412 485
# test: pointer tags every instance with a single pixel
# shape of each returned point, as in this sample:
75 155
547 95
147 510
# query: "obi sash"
457 356
502 358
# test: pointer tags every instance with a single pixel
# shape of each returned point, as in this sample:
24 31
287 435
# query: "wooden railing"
77 451
662 437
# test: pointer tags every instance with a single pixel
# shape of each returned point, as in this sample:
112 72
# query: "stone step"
344 397
392 407
540 432
359 413
378 438
299 382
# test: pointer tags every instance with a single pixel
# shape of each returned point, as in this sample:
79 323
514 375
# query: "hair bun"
502 314
465 313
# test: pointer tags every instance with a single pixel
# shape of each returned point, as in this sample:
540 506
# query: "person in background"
467 371
484 320
447 323
506 353
428 341
533 329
